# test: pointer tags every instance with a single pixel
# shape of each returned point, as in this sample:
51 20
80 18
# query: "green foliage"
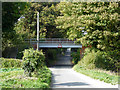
44 75
101 22
9 69
33 60
98 59
52 53
75 56
112 61
26 27
102 75
11 12
93 59
17 79
102 25
10 63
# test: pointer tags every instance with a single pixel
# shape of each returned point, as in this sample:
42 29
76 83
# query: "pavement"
64 60
63 76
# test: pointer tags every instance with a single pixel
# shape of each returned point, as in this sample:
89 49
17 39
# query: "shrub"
10 63
33 60
93 59
98 59
112 61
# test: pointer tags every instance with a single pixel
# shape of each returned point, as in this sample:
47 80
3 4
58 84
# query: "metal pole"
38 31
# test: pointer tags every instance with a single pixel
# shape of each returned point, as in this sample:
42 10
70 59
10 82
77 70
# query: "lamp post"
38 31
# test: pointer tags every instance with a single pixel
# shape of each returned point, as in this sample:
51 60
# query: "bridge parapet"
51 40
54 43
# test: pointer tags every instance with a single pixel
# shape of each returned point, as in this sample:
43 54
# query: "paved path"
64 60
66 77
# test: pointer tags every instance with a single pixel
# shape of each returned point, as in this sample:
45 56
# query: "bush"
10 63
33 60
93 59
98 59
112 61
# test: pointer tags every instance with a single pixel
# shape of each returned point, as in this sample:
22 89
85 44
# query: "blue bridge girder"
54 43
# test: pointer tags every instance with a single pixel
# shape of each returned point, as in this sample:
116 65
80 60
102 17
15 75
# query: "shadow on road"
72 84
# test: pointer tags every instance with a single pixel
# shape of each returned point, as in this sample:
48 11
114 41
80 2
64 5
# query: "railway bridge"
54 43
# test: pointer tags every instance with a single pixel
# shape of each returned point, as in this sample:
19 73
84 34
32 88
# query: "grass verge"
102 75
15 78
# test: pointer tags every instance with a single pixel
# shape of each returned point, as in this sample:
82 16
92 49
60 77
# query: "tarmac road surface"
63 76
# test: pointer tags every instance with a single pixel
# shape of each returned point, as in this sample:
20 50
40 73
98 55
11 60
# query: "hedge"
10 63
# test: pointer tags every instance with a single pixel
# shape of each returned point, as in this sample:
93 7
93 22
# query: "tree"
68 21
101 22
11 12
26 27
49 15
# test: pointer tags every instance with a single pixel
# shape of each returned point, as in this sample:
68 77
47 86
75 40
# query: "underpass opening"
47 44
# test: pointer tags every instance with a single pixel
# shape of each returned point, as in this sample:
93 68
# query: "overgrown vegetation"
33 60
97 65
10 63
11 12
17 79
93 24
34 74
97 59
9 69
102 75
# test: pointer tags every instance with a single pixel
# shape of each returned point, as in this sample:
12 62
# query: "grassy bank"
102 75
15 78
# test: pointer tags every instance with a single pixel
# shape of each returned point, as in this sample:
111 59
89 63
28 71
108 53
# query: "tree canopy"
100 20
90 23
27 26
11 12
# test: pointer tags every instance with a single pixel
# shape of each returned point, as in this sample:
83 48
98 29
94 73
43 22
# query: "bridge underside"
56 45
